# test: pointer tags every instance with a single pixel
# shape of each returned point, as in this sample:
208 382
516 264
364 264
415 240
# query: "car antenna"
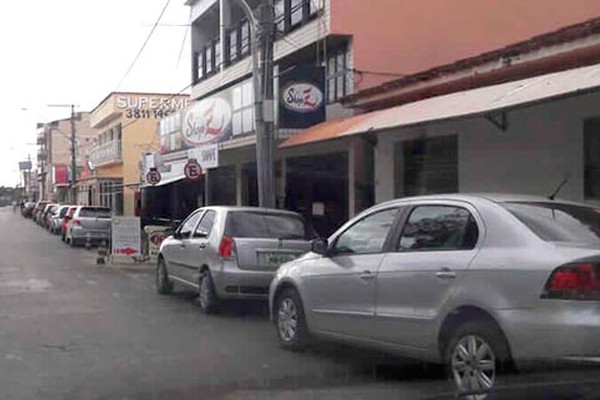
564 181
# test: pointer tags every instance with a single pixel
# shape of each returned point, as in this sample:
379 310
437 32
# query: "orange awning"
326 131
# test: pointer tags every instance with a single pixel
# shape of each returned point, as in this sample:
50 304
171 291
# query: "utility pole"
262 36
265 137
73 180
73 158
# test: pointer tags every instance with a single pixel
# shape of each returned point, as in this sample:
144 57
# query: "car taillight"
76 222
579 281
226 247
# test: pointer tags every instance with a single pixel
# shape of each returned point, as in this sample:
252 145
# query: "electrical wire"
135 59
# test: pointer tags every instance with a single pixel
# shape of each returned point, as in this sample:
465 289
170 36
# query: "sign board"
156 234
206 156
301 97
126 236
24 165
153 177
192 170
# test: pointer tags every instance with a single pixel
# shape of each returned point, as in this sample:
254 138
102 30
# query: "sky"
77 52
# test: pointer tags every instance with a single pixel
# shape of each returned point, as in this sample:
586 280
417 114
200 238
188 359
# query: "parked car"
57 218
89 223
477 282
39 207
27 209
230 252
65 221
48 215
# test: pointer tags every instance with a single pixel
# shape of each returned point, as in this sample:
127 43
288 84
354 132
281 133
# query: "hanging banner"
301 97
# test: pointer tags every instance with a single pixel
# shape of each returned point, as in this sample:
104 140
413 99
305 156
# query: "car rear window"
556 222
63 211
95 212
246 224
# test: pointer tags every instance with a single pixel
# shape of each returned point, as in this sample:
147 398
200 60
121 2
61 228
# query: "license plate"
277 258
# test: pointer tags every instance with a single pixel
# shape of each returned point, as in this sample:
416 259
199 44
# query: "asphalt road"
70 329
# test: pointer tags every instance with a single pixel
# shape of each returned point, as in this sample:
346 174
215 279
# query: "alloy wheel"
473 364
287 319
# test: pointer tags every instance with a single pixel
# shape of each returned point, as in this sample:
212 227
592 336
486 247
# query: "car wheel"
207 294
163 284
477 352
290 321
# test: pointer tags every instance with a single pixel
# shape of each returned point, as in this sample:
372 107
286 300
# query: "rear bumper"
567 331
234 283
82 234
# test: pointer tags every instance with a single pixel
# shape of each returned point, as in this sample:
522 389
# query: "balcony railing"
106 152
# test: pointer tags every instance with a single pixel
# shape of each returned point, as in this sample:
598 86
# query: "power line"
143 45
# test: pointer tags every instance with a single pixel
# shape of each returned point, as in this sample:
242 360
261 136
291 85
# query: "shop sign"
207 156
145 107
156 235
208 122
60 174
153 177
192 170
126 236
24 165
301 98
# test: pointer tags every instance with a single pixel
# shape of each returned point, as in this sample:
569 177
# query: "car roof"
250 209
475 197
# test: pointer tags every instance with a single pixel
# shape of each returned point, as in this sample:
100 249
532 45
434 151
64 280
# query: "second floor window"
291 14
339 75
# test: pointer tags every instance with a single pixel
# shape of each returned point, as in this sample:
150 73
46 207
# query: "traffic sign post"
153 177
192 170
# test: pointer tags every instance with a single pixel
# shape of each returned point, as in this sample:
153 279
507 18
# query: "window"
426 166
244 38
591 140
189 224
434 228
280 15
95 212
206 223
556 222
201 64
367 235
339 75
296 12
233 45
244 224
243 108
209 60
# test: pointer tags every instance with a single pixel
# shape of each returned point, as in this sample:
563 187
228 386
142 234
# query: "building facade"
54 155
125 124
358 52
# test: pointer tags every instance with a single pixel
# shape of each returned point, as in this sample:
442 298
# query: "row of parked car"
76 224
480 283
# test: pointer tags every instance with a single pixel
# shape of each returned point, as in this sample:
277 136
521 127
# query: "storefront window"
243 109
426 166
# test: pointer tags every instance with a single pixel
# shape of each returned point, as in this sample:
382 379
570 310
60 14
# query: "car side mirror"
177 235
319 246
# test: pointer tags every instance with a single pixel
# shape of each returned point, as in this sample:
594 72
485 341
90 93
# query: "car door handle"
367 276
445 273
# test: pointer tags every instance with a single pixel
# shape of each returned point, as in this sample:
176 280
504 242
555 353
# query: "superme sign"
152 102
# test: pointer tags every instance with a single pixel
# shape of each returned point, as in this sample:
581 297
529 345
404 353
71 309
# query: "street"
71 329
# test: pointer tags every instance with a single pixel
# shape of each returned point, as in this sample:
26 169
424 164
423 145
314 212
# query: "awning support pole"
499 120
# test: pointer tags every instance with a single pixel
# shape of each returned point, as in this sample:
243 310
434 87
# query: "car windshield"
94 212
559 222
246 224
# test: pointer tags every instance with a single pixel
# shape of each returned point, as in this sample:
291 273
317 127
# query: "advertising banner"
301 97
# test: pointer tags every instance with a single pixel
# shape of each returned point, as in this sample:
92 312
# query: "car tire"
163 284
209 302
477 353
290 321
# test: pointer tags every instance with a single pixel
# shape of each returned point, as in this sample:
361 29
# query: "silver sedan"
480 283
